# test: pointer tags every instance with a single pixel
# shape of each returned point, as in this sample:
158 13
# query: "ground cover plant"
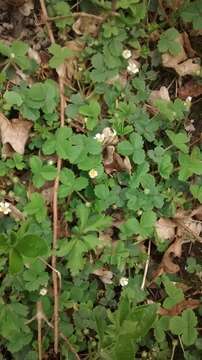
100 179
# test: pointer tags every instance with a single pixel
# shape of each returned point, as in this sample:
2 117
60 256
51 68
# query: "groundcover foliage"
101 183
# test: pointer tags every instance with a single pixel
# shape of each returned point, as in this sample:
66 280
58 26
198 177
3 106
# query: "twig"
146 266
40 317
53 269
55 197
45 16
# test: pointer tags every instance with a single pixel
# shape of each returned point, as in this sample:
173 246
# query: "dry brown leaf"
27 7
162 94
180 63
167 265
113 162
189 67
14 134
179 308
72 62
190 88
165 229
187 45
33 54
86 25
16 213
104 275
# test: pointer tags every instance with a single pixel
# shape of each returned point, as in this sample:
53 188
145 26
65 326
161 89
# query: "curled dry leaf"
162 94
71 64
104 275
87 25
165 229
14 134
109 137
180 63
167 264
113 162
179 308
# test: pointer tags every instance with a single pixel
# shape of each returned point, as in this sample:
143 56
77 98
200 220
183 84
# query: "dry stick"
40 317
55 196
146 266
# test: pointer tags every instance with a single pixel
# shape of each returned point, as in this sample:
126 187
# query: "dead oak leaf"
181 63
104 275
190 88
88 25
165 229
113 162
162 94
14 133
167 264
180 307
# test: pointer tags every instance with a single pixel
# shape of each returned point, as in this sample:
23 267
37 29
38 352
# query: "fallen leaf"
181 63
179 308
167 265
14 133
71 64
33 54
187 45
190 88
162 94
27 8
87 25
113 162
104 275
165 229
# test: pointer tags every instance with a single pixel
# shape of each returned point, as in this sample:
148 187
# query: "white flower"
12 55
50 162
132 67
5 207
93 173
88 204
99 137
188 101
123 281
126 54
43 291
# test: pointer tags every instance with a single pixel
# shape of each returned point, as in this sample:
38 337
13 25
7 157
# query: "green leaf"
190 164
165 166
189 334
179 140
32 246
92 109
63 9
168 42
15 261
13 98
59 55
48 172
125 148
35 164
175 294
192 12
36 207
4 49
176 325
196 191
101 191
